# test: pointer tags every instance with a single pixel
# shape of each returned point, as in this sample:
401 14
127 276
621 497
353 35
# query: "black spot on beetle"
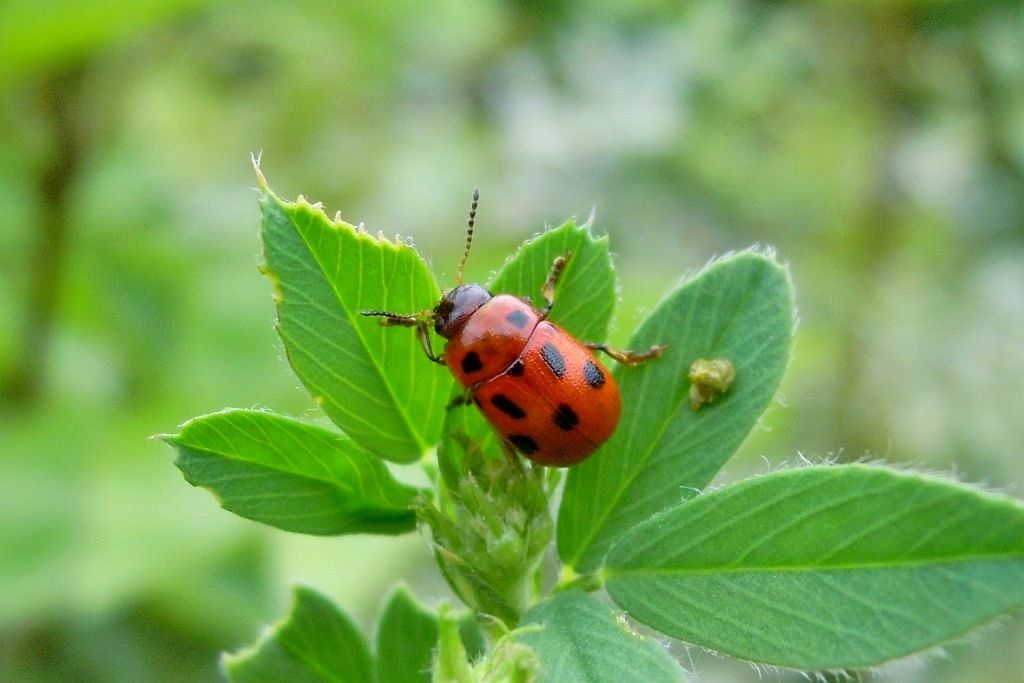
508 406
471 363
553 359
517 368
523 443
565 417
518 318
592 375
476 400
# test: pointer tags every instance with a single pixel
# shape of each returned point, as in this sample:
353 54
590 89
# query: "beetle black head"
456 306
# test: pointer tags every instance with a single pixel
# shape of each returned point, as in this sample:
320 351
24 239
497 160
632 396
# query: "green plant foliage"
584 303
317 642
877 145
581 639
817 568
507 661
451 663
740 308
467 434
371 381
292 475
406 639
585 295
824 567
491 536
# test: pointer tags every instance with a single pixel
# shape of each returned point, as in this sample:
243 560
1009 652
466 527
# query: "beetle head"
456 306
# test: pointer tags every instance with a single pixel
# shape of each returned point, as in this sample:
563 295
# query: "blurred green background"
878 146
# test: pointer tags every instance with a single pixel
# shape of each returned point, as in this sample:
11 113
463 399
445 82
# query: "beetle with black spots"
544 391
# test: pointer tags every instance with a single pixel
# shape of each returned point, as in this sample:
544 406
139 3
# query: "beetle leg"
423 329
548 290
630 358
463 399
421 321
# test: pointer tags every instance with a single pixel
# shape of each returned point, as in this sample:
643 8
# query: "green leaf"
317 642
582 640
451 664
373 382
406 639
739 308
473 638
292 475
585 294
824 567
584 302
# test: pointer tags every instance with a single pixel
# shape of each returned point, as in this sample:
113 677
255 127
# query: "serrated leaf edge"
317 209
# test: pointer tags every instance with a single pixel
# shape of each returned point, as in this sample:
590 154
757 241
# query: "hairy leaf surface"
824 567
292 475
739 308
580 639
406 639
316 642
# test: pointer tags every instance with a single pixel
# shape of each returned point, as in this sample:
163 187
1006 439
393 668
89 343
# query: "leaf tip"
256 159
400 590
226 662
166 438
301 591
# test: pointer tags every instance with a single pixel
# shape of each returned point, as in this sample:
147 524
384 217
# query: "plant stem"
58 99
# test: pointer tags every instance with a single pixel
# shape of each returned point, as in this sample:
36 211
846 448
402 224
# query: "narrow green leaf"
824 567
740 309
317 642
582 640
406 639
451 663
292 475
473 638
373 382
584 303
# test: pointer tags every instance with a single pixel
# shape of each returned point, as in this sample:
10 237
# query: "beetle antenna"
469 235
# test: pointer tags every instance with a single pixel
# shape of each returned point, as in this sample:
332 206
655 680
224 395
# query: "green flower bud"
490 538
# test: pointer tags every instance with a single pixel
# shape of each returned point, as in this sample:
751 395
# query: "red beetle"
543 390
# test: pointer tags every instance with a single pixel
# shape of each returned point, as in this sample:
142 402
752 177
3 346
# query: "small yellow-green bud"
709 379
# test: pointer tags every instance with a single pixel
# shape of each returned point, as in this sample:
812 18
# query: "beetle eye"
457 306
442 313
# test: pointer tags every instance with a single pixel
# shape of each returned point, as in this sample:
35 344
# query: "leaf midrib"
364 347
613 573
670 415
276 468
310 659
